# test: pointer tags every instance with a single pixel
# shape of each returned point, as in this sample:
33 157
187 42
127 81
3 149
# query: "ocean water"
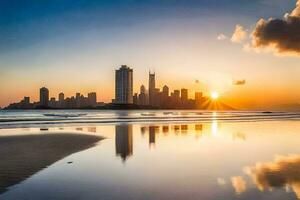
165 155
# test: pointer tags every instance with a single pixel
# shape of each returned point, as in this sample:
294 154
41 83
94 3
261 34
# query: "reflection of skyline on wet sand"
204 160
124 141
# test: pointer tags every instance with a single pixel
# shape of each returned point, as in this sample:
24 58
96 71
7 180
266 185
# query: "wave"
27 118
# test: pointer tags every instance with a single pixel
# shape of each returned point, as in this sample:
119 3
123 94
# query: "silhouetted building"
151 88
165 91
92 99
143 100
135 99
198 99
52 102
176 94
124 141
26 100
184 95
44 97
157 97
124 85
61 99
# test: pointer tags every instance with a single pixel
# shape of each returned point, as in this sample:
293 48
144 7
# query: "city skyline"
151 98
200 45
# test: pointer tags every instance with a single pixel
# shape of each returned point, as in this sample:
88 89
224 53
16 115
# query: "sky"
234 47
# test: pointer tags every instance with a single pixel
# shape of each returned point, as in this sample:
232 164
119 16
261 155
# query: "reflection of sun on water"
214 128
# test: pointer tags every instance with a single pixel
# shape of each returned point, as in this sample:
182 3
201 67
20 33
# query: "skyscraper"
44 97
124 85
151 88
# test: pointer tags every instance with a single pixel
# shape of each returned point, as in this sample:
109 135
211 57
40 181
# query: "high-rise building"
61 100
151 88
176 94
92 99
142 96
44 97
165 91
124 85
184 95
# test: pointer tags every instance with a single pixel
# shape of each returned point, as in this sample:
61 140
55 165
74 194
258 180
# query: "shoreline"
24 155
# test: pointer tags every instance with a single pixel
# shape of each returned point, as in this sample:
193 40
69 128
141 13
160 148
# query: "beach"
25 155
173 154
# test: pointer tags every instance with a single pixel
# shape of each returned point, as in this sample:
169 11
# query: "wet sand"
23 156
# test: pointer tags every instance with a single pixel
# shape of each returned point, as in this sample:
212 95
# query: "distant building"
135 99
61 100
198 99
165 91
151 88
52 102
44 97
176 94
157 97
26 100
124 85
184 95
92 99
143 100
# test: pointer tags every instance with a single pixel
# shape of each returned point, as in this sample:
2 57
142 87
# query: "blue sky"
26 22
75 45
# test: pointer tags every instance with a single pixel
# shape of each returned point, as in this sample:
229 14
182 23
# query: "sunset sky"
75 46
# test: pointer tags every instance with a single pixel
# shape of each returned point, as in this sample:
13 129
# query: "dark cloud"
239 82
282 35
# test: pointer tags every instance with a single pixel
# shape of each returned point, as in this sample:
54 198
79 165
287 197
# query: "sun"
214 95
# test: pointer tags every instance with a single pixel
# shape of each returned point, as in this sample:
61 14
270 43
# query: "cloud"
239 184
239 34
283 172
239 82
282 36
221 36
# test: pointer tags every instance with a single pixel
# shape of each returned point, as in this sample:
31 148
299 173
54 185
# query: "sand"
23 156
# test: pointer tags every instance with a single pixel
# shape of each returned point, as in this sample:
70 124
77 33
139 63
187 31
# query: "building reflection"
198 130
92 129
124 141
151 136
143 130
79 129
239 136
165 129
198 127
184 128
176 129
